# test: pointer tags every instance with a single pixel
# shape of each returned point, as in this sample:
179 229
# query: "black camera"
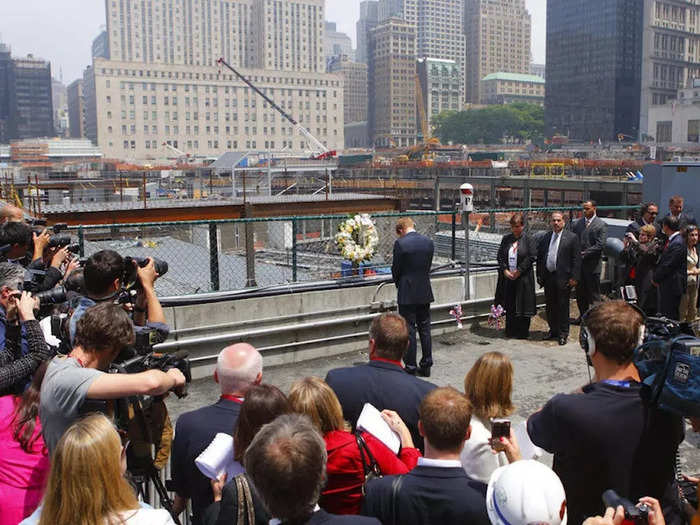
637 514
156 361
59 241
130 277
53 296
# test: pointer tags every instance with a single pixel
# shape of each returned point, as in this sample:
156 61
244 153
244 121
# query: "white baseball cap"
526 492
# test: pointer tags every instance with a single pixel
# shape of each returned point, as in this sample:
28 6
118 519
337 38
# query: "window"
664 131
693 130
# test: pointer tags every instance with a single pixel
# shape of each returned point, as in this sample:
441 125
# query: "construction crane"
181 154
318 149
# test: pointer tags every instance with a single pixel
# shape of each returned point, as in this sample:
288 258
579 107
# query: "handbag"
246 510
370 467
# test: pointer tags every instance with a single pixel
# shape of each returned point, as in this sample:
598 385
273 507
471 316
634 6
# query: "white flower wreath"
357 238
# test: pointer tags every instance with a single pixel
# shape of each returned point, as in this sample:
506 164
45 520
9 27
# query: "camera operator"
103 275
22 343
45 272
607 436
16 239
103 331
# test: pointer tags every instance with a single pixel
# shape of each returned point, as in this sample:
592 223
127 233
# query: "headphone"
587 341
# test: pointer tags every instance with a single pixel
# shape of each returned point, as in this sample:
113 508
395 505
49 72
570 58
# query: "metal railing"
259 253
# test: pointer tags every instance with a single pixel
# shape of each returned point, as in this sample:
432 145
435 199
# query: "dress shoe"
411 371
562 340
424 371
551 335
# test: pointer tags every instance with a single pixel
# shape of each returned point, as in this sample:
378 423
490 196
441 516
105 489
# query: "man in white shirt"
438 490
558 270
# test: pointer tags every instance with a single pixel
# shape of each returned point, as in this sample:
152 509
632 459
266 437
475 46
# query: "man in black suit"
675 207
382 382
670 275
287 463
437 490
558 270
647 215
591 231
238 367
410 268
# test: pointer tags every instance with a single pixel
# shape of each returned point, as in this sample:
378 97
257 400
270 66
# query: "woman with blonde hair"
488 386
86 484
347 463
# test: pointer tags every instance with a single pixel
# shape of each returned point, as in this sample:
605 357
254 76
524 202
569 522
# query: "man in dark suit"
410 268
238 367
287 463
382 382
647 215
675 207
437 490
670 275
558 270
591 232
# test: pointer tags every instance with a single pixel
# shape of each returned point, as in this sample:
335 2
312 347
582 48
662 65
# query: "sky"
62 30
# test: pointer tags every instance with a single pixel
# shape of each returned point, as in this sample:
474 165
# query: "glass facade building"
594 68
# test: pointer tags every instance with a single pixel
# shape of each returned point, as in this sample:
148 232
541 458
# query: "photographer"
45 272
16 239
22 344
103 331
607 436
104 274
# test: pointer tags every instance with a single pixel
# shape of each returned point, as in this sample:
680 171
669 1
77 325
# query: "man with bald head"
238 367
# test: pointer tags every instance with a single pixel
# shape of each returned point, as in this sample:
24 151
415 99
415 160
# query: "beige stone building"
498 36
671 53
392 85
677 121
354 75
202 111
506 88
162 84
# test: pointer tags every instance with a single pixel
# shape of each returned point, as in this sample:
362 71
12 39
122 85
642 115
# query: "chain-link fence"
224 255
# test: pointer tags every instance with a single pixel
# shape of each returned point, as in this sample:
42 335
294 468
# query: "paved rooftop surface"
542 369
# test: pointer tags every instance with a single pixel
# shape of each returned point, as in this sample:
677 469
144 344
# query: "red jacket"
343 491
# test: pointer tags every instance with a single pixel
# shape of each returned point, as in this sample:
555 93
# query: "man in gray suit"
592 232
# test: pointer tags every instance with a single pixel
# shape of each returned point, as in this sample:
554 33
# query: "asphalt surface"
542 369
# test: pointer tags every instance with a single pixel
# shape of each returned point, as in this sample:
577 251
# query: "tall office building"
498 36
5 66
441 86
354 75
671 54
406 10
76 110
162 84
31 107
336 44
594 67
100 46
369 16
392 86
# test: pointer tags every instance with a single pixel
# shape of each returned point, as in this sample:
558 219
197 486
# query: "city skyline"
48 30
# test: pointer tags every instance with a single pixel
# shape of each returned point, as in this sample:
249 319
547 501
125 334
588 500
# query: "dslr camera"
634 514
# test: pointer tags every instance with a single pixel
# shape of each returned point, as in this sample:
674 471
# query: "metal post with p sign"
466 199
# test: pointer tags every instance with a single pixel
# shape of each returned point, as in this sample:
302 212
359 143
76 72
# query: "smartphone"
500 428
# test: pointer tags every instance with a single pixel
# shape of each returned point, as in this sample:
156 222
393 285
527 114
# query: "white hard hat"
525 492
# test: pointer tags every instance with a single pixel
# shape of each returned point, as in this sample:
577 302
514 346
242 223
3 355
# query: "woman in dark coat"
515 290
641 257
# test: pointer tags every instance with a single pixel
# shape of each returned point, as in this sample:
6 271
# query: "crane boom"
316 144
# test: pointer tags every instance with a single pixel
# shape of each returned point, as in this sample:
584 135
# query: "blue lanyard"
615 382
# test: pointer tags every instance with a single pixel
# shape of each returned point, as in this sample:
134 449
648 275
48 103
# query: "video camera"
634 514
156 361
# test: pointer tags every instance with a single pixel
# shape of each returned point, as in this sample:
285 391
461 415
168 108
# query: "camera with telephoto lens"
636 514
130 276
53 296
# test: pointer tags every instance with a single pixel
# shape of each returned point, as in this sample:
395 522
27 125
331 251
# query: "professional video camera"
634 514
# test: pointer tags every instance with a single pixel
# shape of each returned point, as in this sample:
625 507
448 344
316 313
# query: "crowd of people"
69 445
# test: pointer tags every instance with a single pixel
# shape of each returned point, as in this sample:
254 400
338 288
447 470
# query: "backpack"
670 372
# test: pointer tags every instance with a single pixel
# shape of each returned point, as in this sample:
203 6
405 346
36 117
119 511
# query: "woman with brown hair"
24 462
515 290
86 485
488 386
345 468
689 301
263 404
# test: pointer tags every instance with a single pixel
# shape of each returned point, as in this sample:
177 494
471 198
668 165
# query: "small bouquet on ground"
496 315
456 312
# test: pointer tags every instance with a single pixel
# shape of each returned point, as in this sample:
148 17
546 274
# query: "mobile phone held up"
500 428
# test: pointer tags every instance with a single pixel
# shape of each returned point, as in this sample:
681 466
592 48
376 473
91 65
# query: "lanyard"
615 382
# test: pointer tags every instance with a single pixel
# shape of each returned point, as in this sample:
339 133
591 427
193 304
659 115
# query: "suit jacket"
385 386
592 241
671 272
568 258
428 495
321 516
684 219
410 268
635 226
193 433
